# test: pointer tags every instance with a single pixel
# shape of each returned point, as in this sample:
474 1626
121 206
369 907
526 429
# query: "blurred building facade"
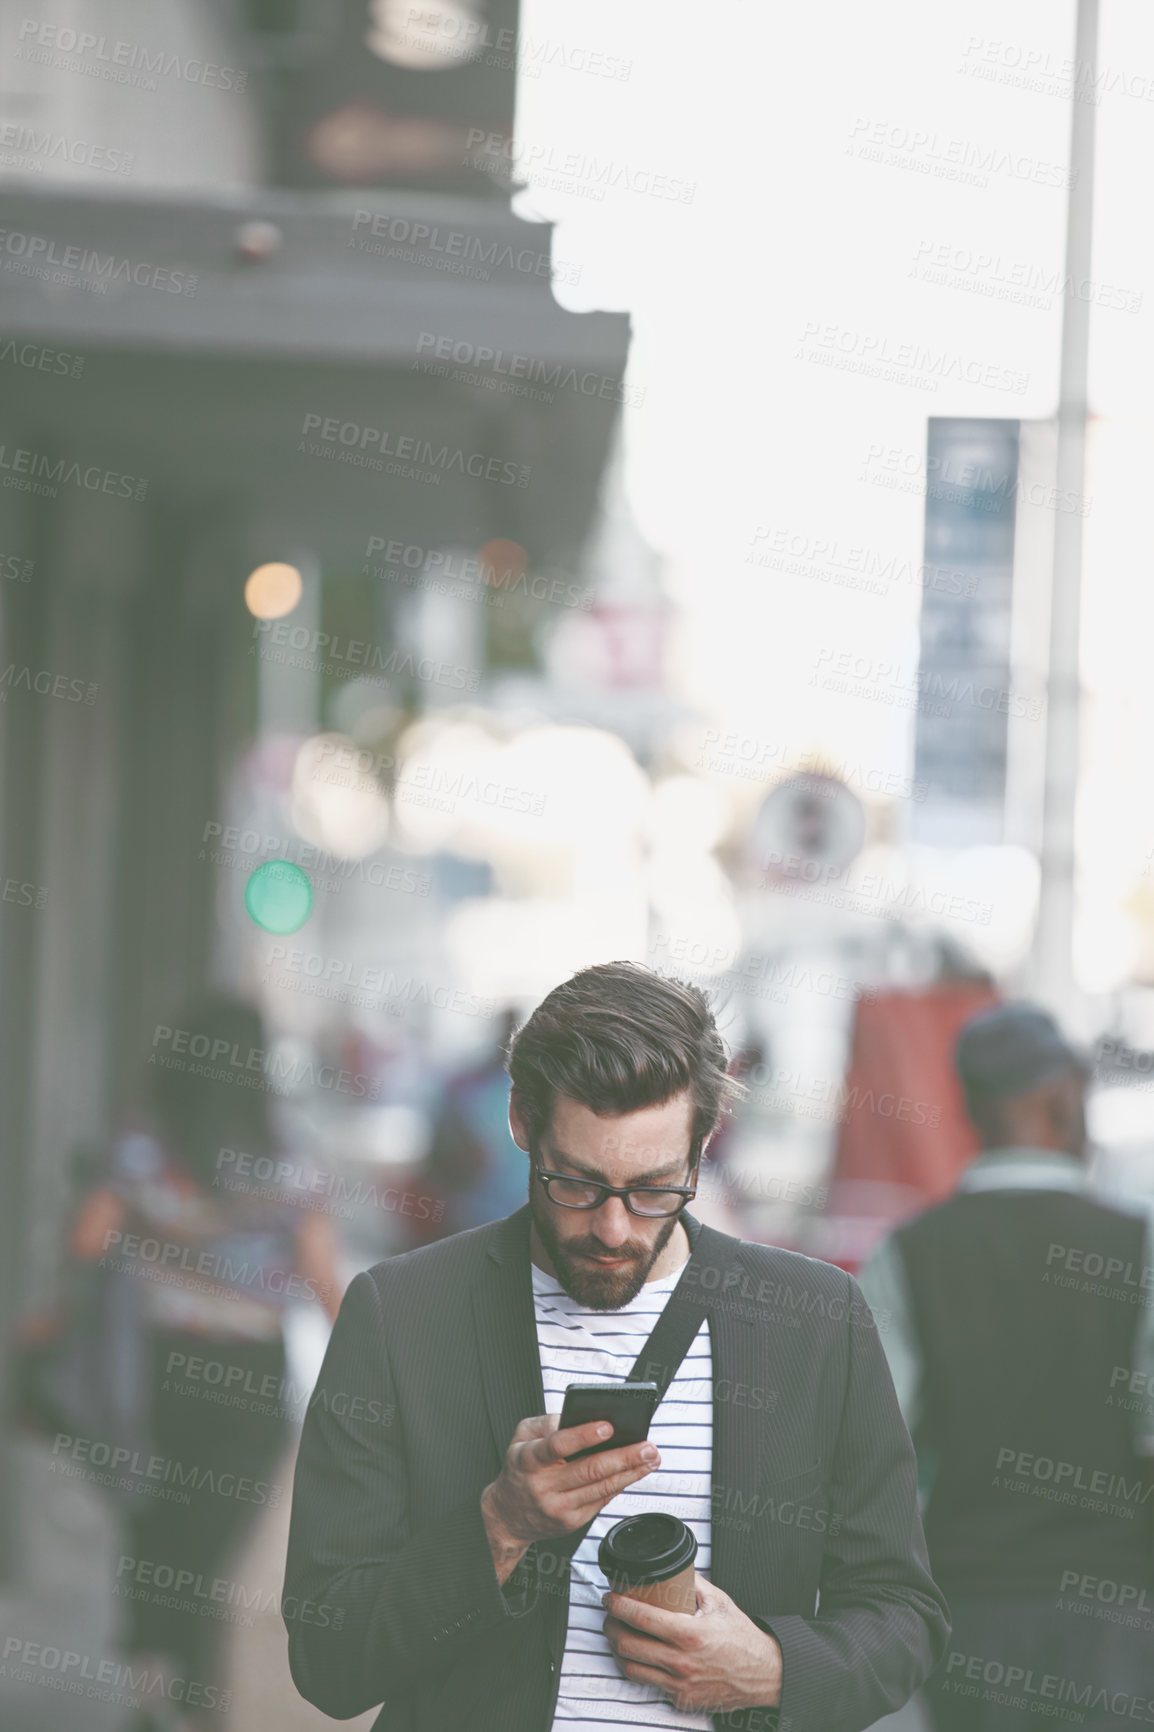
286 318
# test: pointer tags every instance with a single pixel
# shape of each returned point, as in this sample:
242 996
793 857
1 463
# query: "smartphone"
628 1407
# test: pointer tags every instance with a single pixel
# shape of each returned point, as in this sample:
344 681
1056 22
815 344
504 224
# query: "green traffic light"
279 896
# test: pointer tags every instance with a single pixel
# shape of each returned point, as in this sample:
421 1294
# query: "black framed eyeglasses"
644 1200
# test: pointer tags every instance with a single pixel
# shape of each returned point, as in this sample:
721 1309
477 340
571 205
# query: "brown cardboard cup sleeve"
650 1557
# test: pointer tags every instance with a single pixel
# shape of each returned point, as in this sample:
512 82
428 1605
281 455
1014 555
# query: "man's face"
602 1256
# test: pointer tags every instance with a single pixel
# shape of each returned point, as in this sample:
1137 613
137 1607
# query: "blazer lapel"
506 1332
750 1431
740 1354
505 1325
738 1431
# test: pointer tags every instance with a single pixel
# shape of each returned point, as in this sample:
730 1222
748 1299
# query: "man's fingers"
606 1469
539 1446
636 1654
629 1643
607 1489
540 1425
594 1498
630 1458
602 1491
576 1437
594 1472
638 1674
653 1621
540 1452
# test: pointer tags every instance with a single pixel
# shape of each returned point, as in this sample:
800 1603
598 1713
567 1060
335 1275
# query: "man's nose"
611 1222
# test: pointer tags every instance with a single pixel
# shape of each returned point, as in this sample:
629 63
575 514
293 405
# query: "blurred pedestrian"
723 1191
1018 1318
213 1261
473 1162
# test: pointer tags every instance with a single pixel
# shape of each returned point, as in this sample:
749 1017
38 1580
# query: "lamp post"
1053 970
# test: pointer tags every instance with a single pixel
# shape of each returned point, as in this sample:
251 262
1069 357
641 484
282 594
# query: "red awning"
904 1136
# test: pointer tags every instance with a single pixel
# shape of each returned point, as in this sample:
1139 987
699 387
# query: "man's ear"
1063 1102
517 1124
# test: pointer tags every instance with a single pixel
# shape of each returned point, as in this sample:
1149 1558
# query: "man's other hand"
715 1660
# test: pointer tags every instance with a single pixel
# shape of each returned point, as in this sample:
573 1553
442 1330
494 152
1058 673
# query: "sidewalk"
66 1616
63 1603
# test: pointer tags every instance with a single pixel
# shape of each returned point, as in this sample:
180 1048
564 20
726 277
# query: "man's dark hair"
992 1116
617 1037
989 1118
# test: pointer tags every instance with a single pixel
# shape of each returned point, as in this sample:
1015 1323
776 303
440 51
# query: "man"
434 1513
1021 1315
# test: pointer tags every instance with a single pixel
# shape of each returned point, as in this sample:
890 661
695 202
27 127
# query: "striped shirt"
579 1345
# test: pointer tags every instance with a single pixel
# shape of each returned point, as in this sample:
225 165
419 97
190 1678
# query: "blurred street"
494 489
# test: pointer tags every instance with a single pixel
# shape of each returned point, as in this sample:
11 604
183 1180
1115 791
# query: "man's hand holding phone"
539 1495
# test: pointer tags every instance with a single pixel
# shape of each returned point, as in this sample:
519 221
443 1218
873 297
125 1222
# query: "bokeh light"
272 590
279 896
430 37
502 563
337 800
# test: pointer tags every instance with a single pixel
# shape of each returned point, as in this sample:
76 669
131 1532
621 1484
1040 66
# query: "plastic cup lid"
646 1548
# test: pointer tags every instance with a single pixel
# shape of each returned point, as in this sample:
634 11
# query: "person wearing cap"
1020 1336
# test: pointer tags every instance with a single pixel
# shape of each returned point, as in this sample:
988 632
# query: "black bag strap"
703 1278
686 1309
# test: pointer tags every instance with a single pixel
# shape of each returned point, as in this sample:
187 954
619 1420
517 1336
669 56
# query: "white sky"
792 230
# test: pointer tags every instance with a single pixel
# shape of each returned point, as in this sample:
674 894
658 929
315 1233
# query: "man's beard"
598 1289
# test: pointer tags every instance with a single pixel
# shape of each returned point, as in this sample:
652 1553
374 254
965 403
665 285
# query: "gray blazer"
390 1592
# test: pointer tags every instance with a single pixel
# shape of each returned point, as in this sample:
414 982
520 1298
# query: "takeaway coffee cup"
650 1557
